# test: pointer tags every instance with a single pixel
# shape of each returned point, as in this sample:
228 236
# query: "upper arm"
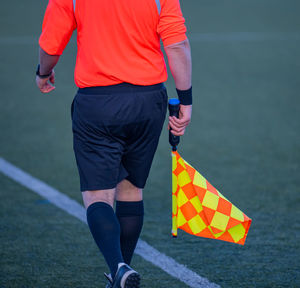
171 27
58 26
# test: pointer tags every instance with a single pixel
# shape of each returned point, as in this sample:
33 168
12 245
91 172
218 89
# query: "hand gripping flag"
200 209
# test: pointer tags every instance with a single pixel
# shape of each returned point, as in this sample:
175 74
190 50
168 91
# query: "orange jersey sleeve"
171 27
58 26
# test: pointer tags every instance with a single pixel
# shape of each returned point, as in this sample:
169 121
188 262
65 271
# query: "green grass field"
244 137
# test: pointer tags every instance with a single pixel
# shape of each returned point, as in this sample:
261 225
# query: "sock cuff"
128 208
96 205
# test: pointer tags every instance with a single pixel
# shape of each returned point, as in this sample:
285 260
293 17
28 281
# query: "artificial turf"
244 137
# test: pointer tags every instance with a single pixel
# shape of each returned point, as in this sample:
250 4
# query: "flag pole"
174 106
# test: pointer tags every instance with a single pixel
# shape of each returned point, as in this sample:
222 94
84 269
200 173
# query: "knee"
126 191
106 196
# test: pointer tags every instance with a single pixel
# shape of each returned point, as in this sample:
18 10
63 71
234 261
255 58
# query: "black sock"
105 229
131 216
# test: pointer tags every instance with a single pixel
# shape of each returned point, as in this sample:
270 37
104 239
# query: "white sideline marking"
150 254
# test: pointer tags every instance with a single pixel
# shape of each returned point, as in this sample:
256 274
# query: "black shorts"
115 133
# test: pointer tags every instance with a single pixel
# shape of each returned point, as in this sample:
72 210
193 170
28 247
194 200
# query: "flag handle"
174 106
174 197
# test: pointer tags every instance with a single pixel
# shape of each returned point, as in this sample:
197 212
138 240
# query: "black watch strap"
42 76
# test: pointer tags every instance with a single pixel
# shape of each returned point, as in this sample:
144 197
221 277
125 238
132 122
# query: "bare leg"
106 196
126 191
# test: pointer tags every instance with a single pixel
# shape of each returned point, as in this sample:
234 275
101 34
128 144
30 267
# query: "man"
120 107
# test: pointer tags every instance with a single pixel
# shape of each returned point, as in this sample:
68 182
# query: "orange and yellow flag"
200 209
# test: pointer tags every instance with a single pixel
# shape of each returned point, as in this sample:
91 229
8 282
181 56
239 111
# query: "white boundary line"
72 207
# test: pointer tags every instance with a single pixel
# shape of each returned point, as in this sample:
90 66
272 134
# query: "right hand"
178 125
44 85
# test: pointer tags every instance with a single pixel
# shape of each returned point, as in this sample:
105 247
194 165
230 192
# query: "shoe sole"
132 280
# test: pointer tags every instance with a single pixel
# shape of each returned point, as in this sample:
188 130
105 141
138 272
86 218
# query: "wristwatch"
42 76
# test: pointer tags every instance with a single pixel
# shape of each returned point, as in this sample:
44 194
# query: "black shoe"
126 277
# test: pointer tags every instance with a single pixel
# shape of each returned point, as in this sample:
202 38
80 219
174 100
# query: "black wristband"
185 96
42 76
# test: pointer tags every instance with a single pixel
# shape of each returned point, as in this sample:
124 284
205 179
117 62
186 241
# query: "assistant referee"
120 107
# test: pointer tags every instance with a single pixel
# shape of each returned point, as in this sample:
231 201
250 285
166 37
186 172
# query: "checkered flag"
200 209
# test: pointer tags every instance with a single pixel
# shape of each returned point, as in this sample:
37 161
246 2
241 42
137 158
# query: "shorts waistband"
120 88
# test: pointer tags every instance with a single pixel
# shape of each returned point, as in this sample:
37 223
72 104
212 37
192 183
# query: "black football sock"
105 229
131 216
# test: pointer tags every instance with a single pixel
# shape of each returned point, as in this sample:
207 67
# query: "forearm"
47 62
45 77
180 62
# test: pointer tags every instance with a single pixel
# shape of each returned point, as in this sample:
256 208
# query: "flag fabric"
200 209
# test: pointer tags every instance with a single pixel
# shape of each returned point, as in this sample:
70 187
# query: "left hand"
46 85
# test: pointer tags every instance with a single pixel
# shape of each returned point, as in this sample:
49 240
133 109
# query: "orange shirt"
117 40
